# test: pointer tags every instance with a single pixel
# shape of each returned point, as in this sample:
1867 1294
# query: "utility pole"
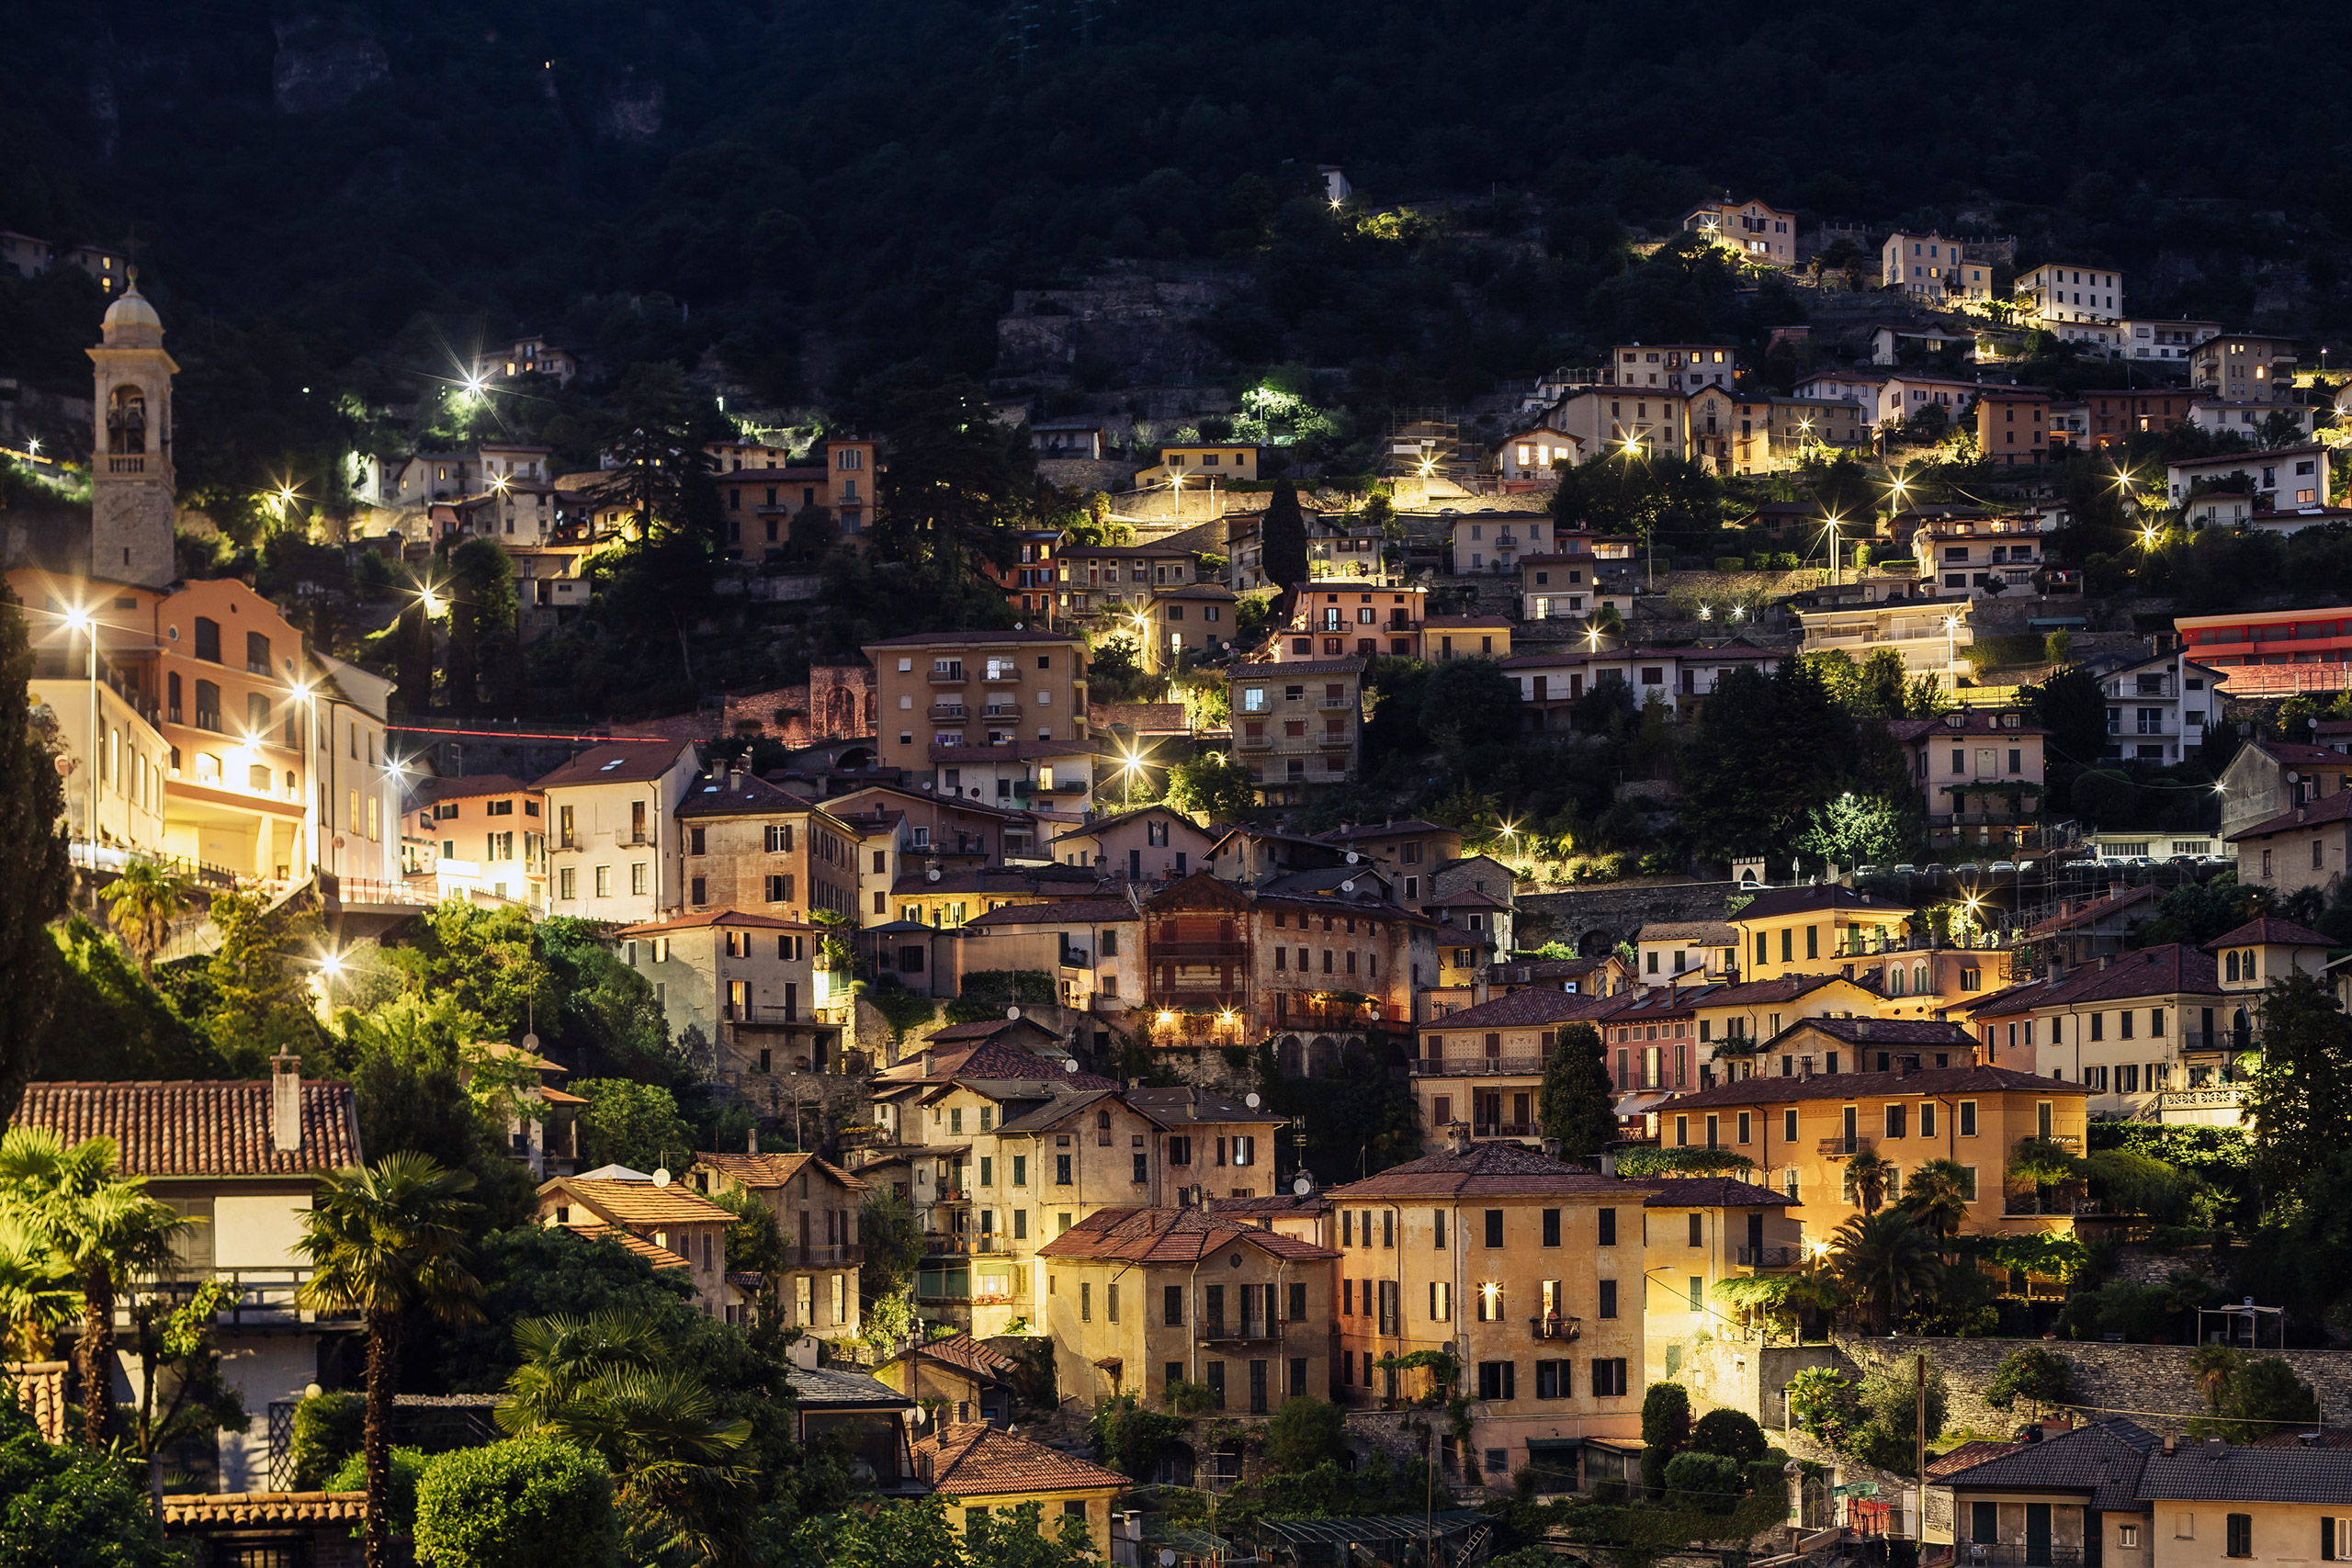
1920 1452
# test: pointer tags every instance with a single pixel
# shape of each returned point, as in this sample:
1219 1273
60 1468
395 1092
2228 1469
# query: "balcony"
1476 1066
1555 1327
1338 702
1503 1129
1221 952
1771 1257
1248 1330
1254 742
1003 675
263 1298
951 676
2016 1554
1328 742
949 713
1844 1148
832 1256
1002 710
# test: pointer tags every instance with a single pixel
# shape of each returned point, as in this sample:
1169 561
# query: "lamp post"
82 621
305 694
1833 552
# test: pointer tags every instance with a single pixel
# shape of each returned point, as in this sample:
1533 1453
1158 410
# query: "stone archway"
1291 1056
1598 943
1323 1057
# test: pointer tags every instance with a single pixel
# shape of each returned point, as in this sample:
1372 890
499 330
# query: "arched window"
127 421
2230 965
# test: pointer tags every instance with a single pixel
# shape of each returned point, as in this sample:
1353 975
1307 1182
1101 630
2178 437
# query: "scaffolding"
1426 443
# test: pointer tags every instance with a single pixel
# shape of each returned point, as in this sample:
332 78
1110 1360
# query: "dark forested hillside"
874 179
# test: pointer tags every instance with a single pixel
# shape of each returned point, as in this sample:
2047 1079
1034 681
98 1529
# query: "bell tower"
131 484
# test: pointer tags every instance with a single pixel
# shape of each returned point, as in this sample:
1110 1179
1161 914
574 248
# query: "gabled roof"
1761 993
1714 1192
2334 808
1537 1006
1864 1086
973 638
1104 824
2095 910
713 917
977 1461
1980 722
1698 933
197 1127
1497 1168
2284 933
431 790
1262 671
1171 1236
1872 1033
1054 1112
1779 903
637 1203
719 794
631 1243
1410 826
1192 1106
966 1354
2214 1472
2103 1460
637 763
2149 972
838 1388
1064 913
770 1170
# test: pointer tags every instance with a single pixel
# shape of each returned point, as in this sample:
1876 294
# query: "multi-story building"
2308 845
2253 420
1226 965
485 834
2245 367
749 990
1331 620
115 770
1175 623
751 845
1917 629
2112 415
1678 367
1764 234
906 831
537 356
2013 425
655 1218
760 504
1155 845
2160 340
2263 652
1933 268
1676 951
1530 458
990 1471
1482 1068
1133 1307
1571 581
1198 463
1102 584
2282 478
1409 853
1975 767
612 849
1967 554
240 1160
1486 1249
2158 708
1612 422
2267 778
1549 684
1813 930
1029 581
1298 726
1092 946
1757 435
1495 541
958 689
1801 1130
817 1293
1449 638
2052 294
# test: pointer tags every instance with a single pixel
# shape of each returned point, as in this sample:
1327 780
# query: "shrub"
408 1468
1666 1426
2033 1374
1304 1433
525 1503
327 1429
1731 563
1730 1433
1709 1483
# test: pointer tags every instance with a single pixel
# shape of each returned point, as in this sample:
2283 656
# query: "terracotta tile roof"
1410 826
2254 933
984 1029
766 1171
197 1127
736 919
1981 721
719 795
1268 671
1967 1454
2170 968
988 1062
1535 1006
41 1390
1275 1207
1856 1086
1878 1031
1774 903
1713 1193
973 638
2010 1001
1758 993
637 1202
1067 912
977 1461
2095 910
430 790
1535 971
1191 1106
1499 1169
963 1351
1698 933
1170 1235
631 1243
186 1510
636 763
2330 809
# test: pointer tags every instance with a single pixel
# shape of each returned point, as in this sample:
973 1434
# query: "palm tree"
36 1290
383 1241
142 901
1884 1260
1935 1197
1868 1174
103 1226
604 1382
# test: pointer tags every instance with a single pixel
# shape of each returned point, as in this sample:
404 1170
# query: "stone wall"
1595 920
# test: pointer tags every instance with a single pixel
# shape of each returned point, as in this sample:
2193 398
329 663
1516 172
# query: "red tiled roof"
989 1060
197 1127
713 918
639 762
963 1351
186 1510
1854 1086
1067 912
1873 1032
1537 1005
2151 971
1969 1453
633 1244
719 795
1170 1235
1713 1193
1499 1169
2330 808
2095 910
1410 826
772 1170
2254 933
636 1202
977 1461
1780 988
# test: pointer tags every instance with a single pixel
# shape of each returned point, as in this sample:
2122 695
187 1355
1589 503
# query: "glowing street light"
79 620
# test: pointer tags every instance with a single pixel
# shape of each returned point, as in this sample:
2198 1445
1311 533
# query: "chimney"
1862 1029
286 1104
2105 959
1551 1149
1457 1139
1905 1065
1609 1162
2172 1445
1804 1069
754 1138
1208 1203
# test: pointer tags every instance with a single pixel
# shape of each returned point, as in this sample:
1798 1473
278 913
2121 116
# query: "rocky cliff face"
322 65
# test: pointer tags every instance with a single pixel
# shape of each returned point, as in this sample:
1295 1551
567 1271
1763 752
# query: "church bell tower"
131 484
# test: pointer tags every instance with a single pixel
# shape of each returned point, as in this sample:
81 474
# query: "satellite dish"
530 1042
1070 1064
1349 885
2294 777
1301 1187
1250 1100
932 875
1168 1554
1351 857
1012 1012
662 1177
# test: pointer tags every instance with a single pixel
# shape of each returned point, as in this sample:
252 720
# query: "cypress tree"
1577 1104
1284 539
33 865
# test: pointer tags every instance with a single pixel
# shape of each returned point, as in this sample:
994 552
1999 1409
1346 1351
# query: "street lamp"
305 694
1833 524
80 620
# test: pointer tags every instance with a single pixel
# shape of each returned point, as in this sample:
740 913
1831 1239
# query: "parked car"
2005 868
1906 869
